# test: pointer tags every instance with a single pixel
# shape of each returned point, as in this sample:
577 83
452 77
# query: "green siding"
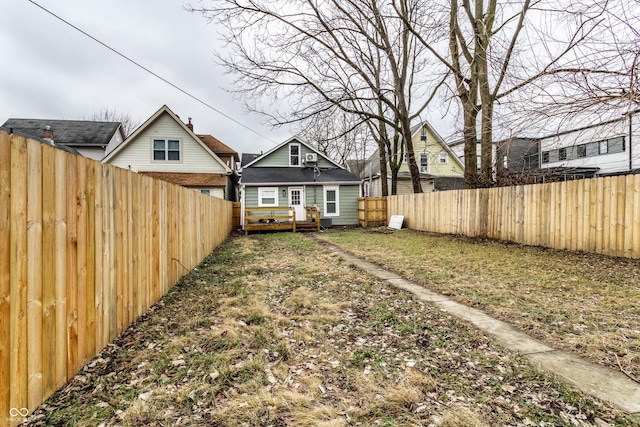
280 158
348 201
348 206
251 196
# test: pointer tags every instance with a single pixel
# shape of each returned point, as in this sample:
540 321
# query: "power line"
151 72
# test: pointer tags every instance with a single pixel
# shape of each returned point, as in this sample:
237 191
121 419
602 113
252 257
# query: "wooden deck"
280 219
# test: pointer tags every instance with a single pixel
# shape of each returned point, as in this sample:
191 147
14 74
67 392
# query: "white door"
296 201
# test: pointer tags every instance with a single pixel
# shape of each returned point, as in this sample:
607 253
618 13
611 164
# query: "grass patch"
579 302
275 330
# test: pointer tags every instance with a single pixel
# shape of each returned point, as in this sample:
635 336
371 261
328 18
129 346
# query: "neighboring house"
440 169
89 138
165 148
230 158
296 175
607 148
49 142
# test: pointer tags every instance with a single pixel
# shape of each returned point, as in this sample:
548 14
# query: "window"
505 162
616 145
267 196
294 154
423 134
424 162
205 191
582 151
545 157
331 201
166 150
443 158
479 163
562 154
603 147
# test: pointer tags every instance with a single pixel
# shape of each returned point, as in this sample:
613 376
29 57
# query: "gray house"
294 175
89 138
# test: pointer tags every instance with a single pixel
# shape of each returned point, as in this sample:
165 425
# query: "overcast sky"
49 70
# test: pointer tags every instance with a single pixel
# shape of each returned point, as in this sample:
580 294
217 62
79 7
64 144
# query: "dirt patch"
273 330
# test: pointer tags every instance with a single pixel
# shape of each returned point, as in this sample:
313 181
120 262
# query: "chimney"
47 133
190 125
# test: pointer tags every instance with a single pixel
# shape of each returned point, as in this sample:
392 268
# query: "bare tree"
349 54
338 135
497 48
129 124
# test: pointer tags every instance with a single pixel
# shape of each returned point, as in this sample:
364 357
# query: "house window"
562 154
331 201
505 162
166 150
582 151
479 163
443 158
603 148
267 196
424 162
294 154
205 191
616 145
423 134
545 157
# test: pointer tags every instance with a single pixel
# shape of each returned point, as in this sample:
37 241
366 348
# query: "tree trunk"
470 147
383 168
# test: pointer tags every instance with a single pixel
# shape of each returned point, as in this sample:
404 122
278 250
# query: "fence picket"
69 283
34 273
599 215
5 273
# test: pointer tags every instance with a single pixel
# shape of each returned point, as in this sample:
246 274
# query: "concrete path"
603 383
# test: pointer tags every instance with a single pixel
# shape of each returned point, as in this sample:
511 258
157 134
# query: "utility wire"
151 72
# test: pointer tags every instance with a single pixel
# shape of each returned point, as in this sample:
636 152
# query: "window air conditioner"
311 158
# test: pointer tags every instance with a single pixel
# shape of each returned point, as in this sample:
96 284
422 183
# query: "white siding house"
610 147
165 148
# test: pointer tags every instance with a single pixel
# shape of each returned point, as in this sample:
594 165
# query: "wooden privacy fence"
600 215
85 249
372 211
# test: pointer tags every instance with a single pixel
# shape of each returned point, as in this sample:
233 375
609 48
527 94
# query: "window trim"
603 144
427 156
166 150
443 155
291 156
326 189
262 190
562 154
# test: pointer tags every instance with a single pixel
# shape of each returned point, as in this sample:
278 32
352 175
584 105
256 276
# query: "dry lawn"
274 330
585 303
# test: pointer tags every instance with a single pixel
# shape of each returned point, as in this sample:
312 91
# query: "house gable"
136 152
280 156
429 147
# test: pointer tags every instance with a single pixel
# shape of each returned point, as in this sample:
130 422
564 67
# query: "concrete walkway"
598 381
